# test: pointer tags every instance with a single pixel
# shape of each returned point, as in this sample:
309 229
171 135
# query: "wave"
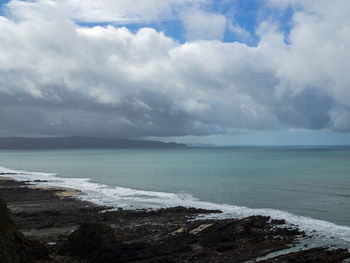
115 196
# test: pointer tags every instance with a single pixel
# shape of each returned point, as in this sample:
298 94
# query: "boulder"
14 247
89 241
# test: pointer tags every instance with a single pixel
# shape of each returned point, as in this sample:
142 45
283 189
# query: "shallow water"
307 186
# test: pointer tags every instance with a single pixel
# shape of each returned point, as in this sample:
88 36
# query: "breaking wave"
128 198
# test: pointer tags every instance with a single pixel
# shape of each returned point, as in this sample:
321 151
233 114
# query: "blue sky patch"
243 18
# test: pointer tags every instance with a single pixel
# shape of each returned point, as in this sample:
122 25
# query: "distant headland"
77 142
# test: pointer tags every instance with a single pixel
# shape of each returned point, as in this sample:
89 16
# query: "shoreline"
51 215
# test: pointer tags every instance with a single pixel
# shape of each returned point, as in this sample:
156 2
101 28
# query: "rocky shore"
50 225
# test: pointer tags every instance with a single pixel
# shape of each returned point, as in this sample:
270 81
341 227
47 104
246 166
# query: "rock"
40 181
317 255
230 240
163 235
14 247
89 241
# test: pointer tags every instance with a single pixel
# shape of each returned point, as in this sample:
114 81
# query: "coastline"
51 215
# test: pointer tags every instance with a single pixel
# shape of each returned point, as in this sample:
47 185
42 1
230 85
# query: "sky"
226 72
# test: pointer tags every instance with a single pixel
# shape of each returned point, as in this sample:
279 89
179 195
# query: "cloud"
124 12
239 31
202 25
59 78
341 119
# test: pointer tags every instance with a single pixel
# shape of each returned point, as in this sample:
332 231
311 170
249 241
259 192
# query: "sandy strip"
58 191
66 193
3 178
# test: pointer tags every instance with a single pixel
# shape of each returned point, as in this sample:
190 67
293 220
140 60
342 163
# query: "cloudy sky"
215 71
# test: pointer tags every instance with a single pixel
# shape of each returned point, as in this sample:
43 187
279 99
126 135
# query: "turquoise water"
282 181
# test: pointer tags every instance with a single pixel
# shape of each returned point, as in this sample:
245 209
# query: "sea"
308 186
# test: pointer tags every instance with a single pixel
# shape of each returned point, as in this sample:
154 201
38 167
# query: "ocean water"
307 186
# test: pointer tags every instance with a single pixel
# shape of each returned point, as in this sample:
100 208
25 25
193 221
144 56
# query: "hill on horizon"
77 142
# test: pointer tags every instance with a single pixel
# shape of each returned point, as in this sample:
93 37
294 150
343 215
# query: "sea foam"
128 198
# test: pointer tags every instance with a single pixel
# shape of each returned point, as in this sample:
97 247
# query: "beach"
174 131
52 216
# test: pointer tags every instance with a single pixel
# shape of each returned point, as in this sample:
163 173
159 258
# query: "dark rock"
164 235
278 221
316 255
40 181
89 241
14 247
230 240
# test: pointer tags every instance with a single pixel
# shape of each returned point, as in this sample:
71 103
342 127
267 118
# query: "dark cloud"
309 109
58 78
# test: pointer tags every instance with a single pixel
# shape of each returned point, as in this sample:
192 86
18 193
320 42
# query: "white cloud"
202 25
60 78
124 11
240 32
